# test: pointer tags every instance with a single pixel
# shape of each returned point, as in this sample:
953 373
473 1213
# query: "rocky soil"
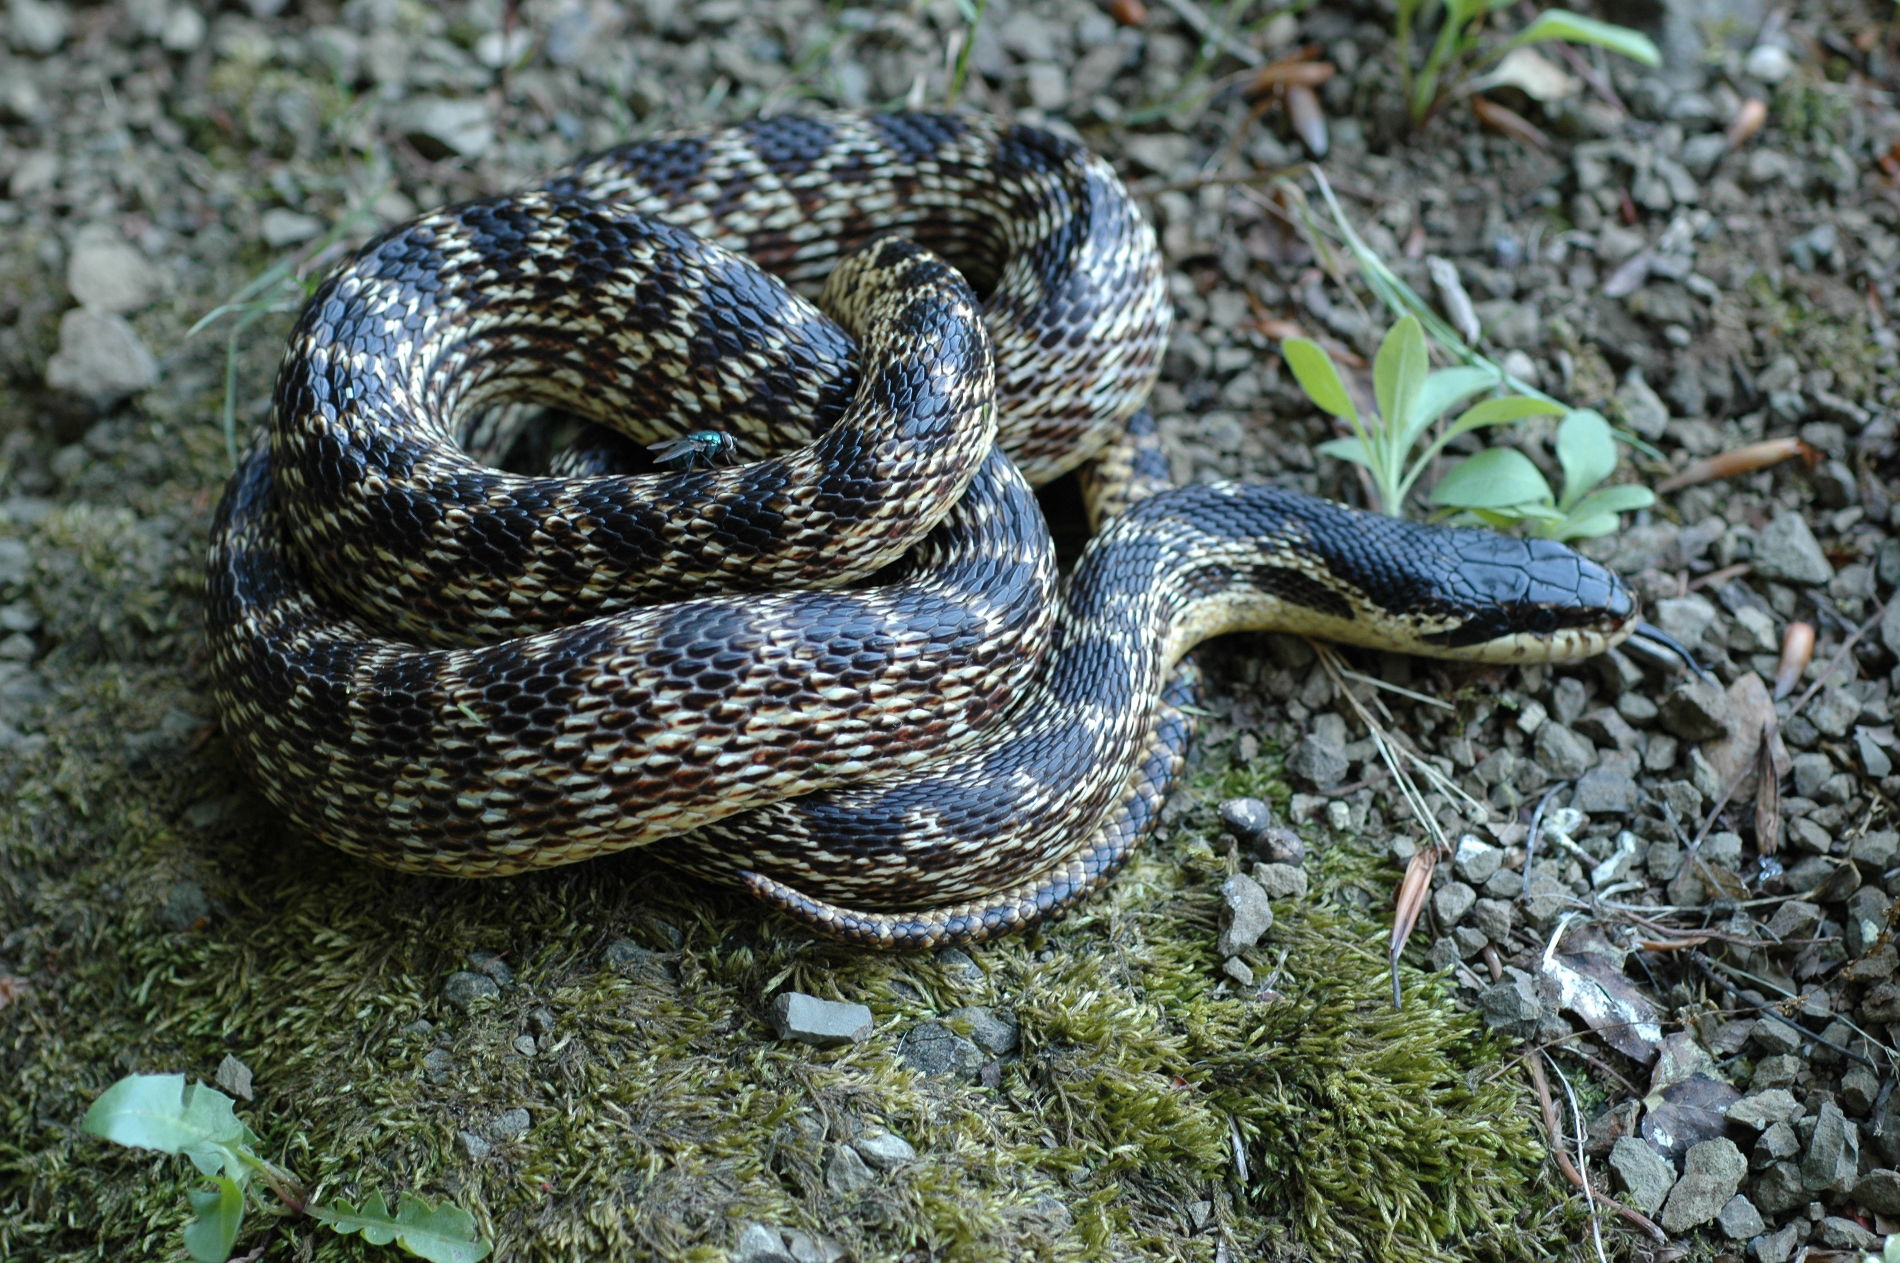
1678 891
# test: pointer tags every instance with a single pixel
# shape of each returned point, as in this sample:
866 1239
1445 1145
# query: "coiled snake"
843 673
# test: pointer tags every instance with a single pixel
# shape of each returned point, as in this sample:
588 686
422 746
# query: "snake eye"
1544 621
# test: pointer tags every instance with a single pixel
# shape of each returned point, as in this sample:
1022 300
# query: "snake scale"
843 673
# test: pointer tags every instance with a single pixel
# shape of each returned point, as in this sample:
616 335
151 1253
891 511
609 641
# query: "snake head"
1506 599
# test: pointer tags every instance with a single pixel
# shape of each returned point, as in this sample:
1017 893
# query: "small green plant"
163 1112
1498 486
1459 50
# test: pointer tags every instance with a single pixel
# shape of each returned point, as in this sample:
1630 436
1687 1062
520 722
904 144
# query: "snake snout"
1535 600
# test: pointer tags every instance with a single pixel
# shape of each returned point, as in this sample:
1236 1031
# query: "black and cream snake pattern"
844 673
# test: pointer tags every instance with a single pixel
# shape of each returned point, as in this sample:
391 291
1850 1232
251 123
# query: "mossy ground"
161 918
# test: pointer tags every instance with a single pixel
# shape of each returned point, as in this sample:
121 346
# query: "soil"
1707 252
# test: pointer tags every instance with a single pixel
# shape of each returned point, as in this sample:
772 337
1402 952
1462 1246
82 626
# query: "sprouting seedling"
163 1112
1499 486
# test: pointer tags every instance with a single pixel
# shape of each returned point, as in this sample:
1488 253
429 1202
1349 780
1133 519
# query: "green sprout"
1497 486
1458 51
163 1112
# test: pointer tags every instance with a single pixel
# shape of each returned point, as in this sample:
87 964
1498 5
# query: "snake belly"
445 668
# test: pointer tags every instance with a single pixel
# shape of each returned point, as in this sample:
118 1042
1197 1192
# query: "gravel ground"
1713 964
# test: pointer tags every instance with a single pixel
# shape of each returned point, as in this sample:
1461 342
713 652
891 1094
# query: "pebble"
1833 1153
280 226
447 125
473 1145
934 1049
1646 1174
1281 881
1318 759
1511 1003
846 1172
1608 789
1739 1219
1711 1174
1778 1246
1844 1234
1246 912
885 1151
994 1032
1695 710
1452 901
823 1023
37 26
1769 63
1879 1191
1787 550
1563 753
1762 1108
100 359
509 1125
1475 860
108 274
465 989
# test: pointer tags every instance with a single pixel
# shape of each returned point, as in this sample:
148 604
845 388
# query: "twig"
1211 32
1589 1194
1530 841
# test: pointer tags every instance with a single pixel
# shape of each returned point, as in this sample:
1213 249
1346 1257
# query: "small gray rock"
1281 881
1760 1109
473 1145
509 1125
845 1171
1844 1234
885 1151
100 358
824 1023
992 1030
1512 1003
1248 819
107 274
1247 914
1890 628
1879 1191
437 1065
1607 789
1739 1220
1476 860
1646 1174
465 989
1711 1174
1778 1142
1695 710
282 227
447 124
1787 550
1452 900
1833 1153
1777 1246
16 564
1319 759
934 1049
1563 753
37 26
234 1077
760 1244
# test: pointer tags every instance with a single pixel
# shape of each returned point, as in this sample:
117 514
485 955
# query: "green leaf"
1587 452
1496 478
1622 498
1572 527
1561 24
1398 375
162 1112
1350 448
219 1212
1498 411
1313 370
1441 392
441 1234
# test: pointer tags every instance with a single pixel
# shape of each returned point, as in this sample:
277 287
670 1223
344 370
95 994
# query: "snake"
841 669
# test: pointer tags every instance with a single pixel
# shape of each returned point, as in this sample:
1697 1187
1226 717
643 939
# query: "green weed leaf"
163 1112
1399 370
1313 370
1496 478
1587 452
1499 411
219 1212
441 1234
1350 448
1441 392
1561 24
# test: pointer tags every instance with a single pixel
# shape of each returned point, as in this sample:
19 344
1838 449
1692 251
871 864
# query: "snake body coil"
446 667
